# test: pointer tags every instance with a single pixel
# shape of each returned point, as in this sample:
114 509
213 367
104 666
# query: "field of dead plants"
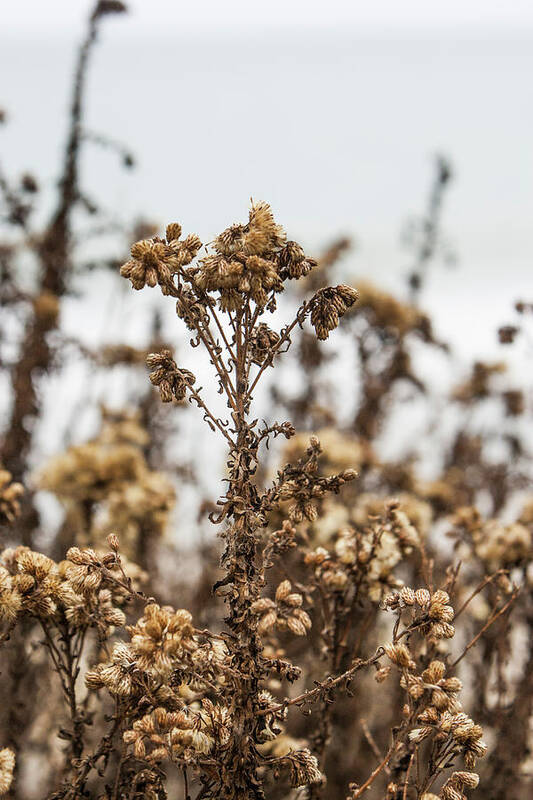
327 622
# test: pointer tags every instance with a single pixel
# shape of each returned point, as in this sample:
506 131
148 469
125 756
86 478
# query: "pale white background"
330 111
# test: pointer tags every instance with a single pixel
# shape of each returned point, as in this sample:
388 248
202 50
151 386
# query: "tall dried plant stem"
240 561
54 256
35 357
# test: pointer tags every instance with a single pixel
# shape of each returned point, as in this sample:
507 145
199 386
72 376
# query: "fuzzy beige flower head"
155 261
118 675
7 766
284 612
149 264
262 340
304 769
251 261
328 306
162 638
171 380
10 493
260 236
242 274
10 598
85 572
36 579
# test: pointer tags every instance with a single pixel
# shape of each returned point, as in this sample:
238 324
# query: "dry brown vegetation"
358 627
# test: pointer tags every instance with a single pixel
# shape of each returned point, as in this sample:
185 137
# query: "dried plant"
360 625
204 704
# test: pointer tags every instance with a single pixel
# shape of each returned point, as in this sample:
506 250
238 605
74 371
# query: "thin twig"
487 625
370 780
310 694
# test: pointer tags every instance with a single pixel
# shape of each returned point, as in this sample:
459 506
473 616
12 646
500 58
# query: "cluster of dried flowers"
365 629
307 571
110 474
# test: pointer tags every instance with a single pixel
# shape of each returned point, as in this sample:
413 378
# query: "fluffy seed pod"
328 305
399 654
173 231
304 768
261 605
422 597
419 734
7 766
408 596
434 672
440 596
470 780
267 622
453 685
171 380
449 792
283 591
296 626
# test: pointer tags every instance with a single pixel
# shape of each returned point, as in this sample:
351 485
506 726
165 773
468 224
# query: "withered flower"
10 493
285 612
149 265
304 769
262 340
171 380
85 574
293 261
155 261
328 305
10 598
116 676
7 766
162 637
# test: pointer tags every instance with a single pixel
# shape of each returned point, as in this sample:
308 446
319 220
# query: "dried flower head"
10 493
328 306
7 766
304 769
262 341
172 382
284 612
155 261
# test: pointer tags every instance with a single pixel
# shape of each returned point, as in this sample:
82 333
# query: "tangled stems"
208 713
234 287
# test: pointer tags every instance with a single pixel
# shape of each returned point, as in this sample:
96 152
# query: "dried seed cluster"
80 591
284 612
7 765
171 381
328 306
111 472
318 560
155 261
10 493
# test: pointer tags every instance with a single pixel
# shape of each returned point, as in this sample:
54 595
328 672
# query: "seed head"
328 305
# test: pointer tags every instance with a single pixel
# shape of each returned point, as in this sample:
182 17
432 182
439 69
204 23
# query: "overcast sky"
49 17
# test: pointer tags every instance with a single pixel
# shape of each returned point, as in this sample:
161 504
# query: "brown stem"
310 694
370 780
485 627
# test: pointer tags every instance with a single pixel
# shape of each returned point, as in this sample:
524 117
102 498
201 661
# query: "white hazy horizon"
336 132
